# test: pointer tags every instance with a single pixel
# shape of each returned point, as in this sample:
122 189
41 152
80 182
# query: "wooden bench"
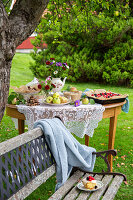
26 162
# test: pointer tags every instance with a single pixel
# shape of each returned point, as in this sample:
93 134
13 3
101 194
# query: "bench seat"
70 191
26 162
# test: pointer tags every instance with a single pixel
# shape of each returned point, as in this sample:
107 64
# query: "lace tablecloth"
79 120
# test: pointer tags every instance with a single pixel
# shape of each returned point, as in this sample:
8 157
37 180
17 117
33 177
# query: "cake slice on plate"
89 183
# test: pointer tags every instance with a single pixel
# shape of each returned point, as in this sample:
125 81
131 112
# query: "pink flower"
48 78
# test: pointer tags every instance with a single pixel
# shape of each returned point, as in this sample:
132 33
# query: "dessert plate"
99 185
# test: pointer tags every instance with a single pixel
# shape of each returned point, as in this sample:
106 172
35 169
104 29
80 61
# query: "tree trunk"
4 85
5 61
14 29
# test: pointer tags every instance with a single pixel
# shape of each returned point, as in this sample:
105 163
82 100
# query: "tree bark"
14 29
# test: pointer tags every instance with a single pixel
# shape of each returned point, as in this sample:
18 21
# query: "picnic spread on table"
80 111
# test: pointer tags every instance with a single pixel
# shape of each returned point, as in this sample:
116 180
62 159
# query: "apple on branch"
116 13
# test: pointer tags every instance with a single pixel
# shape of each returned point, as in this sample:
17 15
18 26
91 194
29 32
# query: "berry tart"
104 97
89 183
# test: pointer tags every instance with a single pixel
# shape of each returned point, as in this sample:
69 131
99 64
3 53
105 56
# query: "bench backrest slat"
20 165
19 140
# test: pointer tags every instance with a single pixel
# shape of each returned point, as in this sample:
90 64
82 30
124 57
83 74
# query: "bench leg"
20 126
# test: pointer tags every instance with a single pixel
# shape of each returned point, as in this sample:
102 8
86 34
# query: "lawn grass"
20 72
20 75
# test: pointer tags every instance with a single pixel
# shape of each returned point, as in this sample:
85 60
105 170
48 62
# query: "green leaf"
17 102
23 101
10 98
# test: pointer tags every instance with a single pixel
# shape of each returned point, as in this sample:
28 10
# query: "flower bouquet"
56 69
46 86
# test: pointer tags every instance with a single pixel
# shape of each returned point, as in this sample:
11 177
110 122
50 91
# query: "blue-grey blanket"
67 151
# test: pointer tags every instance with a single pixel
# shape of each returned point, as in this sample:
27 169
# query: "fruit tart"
104 97
89 183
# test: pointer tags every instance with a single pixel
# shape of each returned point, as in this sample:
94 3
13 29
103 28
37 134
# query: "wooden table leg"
20 126
112 131
86 140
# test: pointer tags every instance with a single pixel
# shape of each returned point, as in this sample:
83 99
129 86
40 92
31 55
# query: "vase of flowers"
57 69
46 86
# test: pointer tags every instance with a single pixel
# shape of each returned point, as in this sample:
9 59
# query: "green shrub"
118 64
94 37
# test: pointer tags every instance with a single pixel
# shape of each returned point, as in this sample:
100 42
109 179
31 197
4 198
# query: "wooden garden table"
111 111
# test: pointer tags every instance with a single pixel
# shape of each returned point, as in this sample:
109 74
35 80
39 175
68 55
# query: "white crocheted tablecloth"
79 120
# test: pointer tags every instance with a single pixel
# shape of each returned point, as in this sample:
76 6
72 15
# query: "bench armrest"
104 156
107 152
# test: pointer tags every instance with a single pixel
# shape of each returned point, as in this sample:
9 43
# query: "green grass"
20 72
20 75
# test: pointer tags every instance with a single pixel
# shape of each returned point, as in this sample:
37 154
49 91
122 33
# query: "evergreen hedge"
94 37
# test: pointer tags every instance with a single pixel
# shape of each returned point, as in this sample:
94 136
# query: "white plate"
55 104
99 185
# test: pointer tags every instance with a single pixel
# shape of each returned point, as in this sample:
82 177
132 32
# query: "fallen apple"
85 101
49 99
56 95
56 101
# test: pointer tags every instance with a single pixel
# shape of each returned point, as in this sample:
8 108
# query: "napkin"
125 107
